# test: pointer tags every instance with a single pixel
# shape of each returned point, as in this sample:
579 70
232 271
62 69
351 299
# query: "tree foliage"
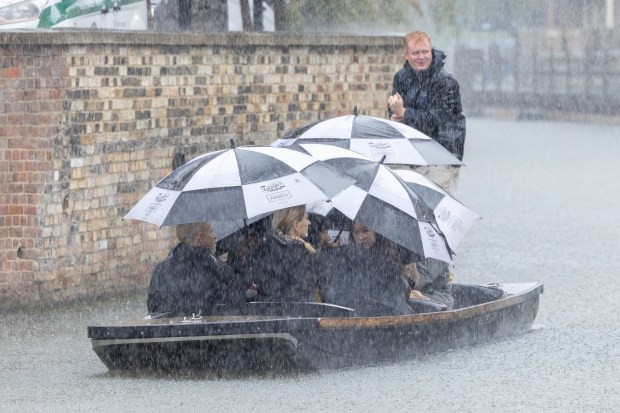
443 13
346 15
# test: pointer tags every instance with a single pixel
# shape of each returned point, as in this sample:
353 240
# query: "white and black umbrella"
233 185
373 137
383 202
454 218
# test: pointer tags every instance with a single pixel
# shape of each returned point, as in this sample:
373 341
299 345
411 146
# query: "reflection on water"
550 201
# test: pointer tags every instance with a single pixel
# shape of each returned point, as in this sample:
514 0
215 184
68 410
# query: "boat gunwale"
273 324
158 340
427 318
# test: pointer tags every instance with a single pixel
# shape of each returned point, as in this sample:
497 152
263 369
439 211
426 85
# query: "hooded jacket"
433 103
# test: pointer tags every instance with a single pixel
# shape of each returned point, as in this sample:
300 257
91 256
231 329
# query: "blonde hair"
283 219
189 232
415 37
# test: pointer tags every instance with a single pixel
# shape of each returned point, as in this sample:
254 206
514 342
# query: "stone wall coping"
89 37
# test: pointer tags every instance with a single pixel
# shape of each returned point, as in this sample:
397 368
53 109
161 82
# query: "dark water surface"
549 194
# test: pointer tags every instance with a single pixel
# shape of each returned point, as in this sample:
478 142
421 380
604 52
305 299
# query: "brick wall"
90 121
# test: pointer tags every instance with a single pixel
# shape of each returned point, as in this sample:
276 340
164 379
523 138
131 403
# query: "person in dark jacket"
427 97
284 267
191 281
366 275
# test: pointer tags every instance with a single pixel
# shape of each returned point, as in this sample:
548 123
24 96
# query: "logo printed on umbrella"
274 187
429 231
161 197
378 149
279 196
153 207
380 145
443 214
276 191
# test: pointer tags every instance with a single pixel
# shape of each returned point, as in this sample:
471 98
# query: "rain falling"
144 144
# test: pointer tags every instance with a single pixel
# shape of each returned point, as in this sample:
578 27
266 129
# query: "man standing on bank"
426 97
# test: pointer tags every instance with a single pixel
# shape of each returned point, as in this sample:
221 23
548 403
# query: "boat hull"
272 342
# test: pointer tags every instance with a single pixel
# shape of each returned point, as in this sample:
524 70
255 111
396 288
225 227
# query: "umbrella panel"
295 133
178 179
257 167
216 204
454 218
284 192
370 128
432 152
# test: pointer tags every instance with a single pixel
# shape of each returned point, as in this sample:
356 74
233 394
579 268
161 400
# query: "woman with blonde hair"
285 267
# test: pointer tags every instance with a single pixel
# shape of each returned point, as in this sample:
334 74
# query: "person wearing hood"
192 280
427 97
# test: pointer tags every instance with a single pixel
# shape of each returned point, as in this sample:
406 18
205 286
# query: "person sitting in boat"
318 234
285 267
236 249
192 280
434 283
366 275
426 278
431 285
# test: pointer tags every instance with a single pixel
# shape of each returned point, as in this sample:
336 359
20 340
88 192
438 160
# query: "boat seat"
466 295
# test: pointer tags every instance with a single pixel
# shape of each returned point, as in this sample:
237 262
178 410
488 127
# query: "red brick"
13 72
15 210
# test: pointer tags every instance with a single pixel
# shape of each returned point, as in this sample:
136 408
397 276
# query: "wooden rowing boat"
283 336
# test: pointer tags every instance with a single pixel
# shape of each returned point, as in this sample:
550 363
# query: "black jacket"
191 281
284 270
361 279
433 103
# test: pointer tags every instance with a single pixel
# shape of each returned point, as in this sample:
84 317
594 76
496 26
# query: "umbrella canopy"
383 202
373 137
225 228
454 218
237 184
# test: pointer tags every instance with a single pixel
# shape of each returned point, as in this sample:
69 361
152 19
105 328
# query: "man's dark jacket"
433 103
191 281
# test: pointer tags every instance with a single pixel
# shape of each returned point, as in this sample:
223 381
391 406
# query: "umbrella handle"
340 232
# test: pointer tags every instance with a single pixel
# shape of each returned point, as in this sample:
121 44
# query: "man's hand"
411 271
397 105
416 295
